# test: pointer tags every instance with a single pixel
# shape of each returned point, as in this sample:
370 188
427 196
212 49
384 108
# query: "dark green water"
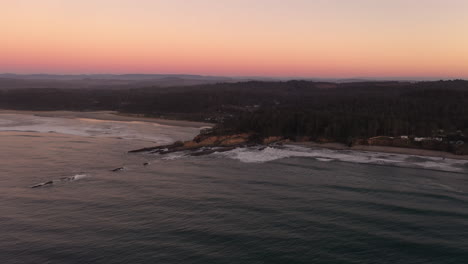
219 209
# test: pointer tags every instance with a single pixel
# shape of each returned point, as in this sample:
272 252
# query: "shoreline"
383 149
110 116
116 116
207 144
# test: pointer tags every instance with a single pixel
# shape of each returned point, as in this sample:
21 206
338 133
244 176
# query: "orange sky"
306 38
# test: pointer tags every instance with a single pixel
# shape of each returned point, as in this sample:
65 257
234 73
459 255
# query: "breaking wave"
77 177
260 155
137 130
61 180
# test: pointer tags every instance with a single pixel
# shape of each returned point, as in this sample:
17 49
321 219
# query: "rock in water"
42 184
118 169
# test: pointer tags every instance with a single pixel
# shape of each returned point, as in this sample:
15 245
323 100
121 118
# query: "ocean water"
284 204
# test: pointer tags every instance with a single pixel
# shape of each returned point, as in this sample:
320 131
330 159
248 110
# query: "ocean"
287 204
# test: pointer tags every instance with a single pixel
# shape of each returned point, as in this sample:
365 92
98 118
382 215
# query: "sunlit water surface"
289 205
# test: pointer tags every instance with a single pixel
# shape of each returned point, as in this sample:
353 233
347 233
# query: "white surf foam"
160 134
174 156
75 177
324 159
257 155
78 177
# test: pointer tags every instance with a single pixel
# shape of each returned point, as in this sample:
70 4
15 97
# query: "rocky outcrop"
220 140
175 145
205 144
208 142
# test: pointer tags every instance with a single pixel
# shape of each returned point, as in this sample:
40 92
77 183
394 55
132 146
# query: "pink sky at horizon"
296 38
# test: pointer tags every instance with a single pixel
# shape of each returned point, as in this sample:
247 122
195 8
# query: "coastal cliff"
204 144
210 141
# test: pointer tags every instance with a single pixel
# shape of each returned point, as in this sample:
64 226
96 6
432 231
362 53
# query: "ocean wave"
174 156
133 130
75 177
261 155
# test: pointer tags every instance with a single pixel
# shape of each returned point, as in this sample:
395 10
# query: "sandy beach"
116 116
109 115
384 149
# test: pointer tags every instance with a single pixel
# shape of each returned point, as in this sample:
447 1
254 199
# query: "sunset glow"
297 38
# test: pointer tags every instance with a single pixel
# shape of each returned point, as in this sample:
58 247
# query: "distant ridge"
108 81
109 76
135 80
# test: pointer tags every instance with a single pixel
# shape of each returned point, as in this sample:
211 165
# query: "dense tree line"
293 109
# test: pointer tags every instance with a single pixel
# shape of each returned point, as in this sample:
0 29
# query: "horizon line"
369 78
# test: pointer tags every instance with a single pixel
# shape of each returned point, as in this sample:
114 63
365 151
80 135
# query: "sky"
293 38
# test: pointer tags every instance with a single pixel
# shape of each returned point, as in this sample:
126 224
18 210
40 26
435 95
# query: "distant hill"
109 77
129 81
106 81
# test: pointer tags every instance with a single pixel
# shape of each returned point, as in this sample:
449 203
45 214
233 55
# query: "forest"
292 109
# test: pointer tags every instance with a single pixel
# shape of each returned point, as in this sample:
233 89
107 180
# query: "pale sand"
383 149
115 116
109 115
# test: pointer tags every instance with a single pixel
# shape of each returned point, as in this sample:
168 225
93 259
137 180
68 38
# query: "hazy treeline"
292 109
364 110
